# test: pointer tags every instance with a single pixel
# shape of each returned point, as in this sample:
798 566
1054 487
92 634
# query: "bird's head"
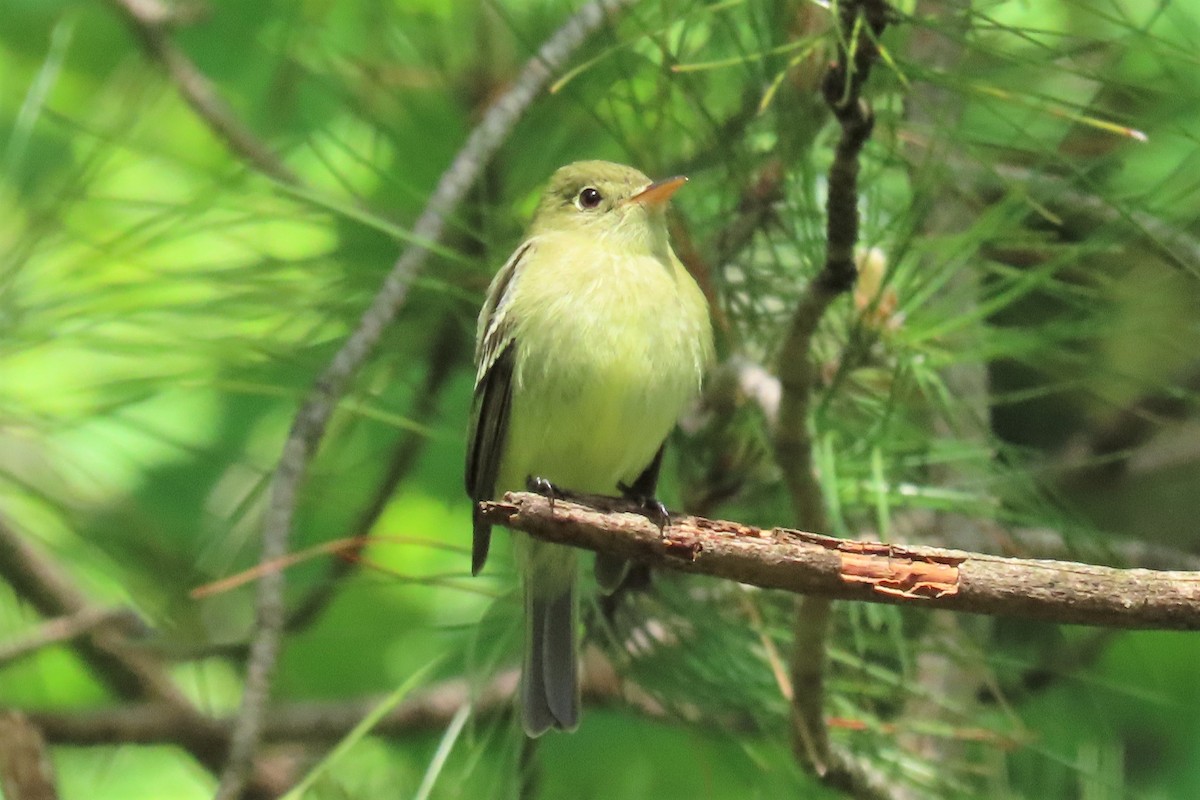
607 201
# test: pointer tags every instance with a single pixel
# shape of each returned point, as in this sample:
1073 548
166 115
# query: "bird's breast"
631 325
609 355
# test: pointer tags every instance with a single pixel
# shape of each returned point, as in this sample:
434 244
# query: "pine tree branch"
47 587
860 23
308 426
26 772
426 710
131 673
66 628
805 563
806 667
318 722
443 358
151 21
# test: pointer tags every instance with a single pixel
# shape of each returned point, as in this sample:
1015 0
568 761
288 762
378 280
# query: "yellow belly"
603 380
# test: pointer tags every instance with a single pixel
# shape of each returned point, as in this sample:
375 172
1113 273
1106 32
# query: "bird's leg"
642 491
539 485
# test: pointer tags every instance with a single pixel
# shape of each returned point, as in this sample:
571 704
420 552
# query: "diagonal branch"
442 360
150 21
310 421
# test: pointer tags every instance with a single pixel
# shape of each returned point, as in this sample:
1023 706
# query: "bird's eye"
588 198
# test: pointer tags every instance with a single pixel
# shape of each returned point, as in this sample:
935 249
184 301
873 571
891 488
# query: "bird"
591 341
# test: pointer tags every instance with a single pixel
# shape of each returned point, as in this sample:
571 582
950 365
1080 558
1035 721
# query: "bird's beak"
659 192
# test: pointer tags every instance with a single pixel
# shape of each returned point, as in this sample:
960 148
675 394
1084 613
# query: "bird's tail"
550 680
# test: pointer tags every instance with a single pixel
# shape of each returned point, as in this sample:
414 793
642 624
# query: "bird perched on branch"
592 339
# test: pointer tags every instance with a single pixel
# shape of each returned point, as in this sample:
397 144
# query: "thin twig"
310 422
315 722
151 21
64 629
442 359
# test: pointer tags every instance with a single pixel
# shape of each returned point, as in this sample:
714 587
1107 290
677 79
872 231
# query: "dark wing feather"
485 445
495 357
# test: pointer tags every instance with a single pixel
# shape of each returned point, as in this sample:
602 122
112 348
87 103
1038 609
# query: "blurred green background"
1021 376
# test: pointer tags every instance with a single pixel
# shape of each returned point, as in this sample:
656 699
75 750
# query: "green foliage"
164 307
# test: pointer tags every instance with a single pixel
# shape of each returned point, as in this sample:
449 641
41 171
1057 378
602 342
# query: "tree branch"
859 25
320 722
442 361
150 21
813 564
65 629
316 722
129 672
26 772
50 590
309 425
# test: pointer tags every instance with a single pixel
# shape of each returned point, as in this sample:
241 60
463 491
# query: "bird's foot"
651 507
539 485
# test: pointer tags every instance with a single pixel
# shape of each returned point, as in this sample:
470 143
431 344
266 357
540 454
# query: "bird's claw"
539 485
651 507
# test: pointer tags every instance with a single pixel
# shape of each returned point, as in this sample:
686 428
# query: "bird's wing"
494 332
495 355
